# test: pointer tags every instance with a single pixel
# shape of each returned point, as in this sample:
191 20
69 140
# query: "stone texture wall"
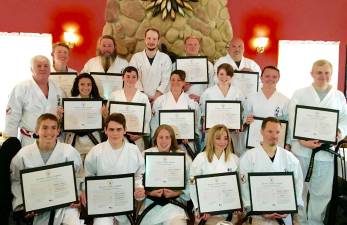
127 20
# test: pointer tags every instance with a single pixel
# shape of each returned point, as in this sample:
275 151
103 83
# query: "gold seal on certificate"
196 68
247 82
82 114
165 170
64 80
110 195
48 187
108 82
223 112
134 115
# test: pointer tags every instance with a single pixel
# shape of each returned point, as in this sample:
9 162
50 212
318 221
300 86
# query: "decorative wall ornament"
169 7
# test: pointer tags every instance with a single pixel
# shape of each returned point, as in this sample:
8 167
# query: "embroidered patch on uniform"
8 111
243 178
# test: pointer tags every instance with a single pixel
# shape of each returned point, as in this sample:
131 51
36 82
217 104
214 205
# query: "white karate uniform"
152 77
94 65
30 157
104 160
320 185
26 103
245 63
68 69
164 214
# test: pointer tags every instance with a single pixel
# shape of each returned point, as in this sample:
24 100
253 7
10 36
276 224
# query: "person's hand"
156 193
246 69
60 112
186 87
75 205
83 199
275 216
154 97
195 97
249 119
139 193
30 215
134 137
288 147
310 144
168 193
185 141
199 217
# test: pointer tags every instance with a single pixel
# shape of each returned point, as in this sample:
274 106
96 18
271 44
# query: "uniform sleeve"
343 116
148 115
14 111
195 170
202 105
141 169
76 158
211 74
90 163
245 168
165 75
15 168
155 115
291 114
87 68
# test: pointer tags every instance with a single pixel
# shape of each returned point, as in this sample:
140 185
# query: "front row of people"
116 156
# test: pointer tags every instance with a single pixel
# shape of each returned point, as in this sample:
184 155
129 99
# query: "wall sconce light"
71 36
260 44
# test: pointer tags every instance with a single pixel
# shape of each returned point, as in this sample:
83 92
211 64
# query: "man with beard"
60 55
106 60
154 66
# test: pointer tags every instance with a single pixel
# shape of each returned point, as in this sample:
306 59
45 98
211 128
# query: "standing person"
164 140
114 157
218 157
131 94
45 151
319 94
31 98
269 157
154 66
61 55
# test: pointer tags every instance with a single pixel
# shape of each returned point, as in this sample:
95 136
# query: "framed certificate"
223 112
313 123
218 193
272 192
108 82
165 170
64 80
196 68
48 187
247 82
110 195
254 136
134 115
82 114
182 122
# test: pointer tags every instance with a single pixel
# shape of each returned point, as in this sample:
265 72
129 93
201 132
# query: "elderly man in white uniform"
319 94
29 99
45 151
60 55
268 157
154 66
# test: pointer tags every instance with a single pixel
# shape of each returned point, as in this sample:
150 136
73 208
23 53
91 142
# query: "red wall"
287 19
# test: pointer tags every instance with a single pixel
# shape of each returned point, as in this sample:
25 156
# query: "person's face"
176 83
223 77
106 47
192 47
151 40
48 132
221 141
271 133
130 79
61 55
163 140
270 78
236 49
85 87
321 75
114 132
41 70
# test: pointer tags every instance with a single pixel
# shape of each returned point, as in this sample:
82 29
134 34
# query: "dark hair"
174 145
46 116
228 69
95 90
130 69
116 117
180 73
270 68
152 29
269 120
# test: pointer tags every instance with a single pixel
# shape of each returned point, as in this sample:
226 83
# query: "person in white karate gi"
45 151
154 66
218 157
114 157
319 94
61 55
130 93
223 90
236 59
29 99
269 157
164 140
177 99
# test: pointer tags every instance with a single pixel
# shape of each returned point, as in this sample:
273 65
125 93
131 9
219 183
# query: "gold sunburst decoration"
169 7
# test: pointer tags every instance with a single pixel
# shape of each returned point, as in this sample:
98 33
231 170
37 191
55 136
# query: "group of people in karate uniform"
150 79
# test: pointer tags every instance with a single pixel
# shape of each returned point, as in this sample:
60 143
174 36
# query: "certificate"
254 136
110 195
134 115
223 112
181 121
64 80
108 82
196 68
48 187
247 82
218 193
313 123
165 170
272 192
82 114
